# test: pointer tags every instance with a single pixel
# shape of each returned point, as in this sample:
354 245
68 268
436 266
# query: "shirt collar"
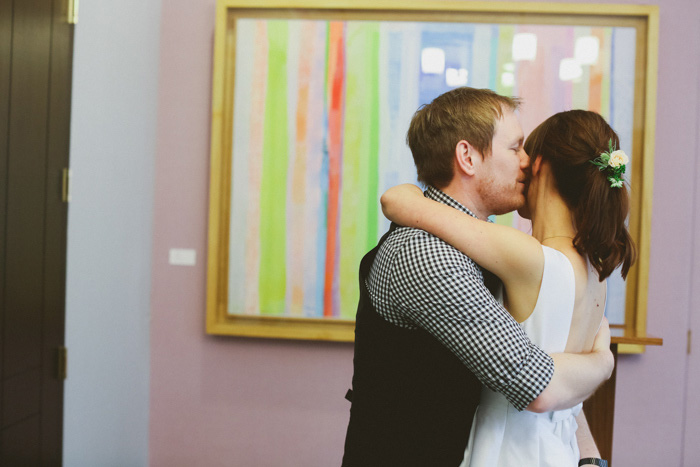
433 193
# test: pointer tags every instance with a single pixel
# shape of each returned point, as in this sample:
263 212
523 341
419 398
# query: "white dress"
503 437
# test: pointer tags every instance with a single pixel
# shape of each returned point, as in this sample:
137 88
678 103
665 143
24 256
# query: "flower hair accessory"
613 162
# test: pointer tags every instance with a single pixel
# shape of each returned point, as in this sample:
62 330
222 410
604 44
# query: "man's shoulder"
409 239
413 269
408 247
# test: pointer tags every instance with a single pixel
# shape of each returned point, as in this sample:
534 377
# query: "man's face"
503 173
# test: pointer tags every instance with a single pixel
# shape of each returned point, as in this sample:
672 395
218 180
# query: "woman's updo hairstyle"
569 141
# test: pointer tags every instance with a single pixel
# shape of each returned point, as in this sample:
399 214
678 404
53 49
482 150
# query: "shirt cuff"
535 375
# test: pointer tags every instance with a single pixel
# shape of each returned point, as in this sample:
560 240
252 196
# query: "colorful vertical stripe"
256 114
336 94
272 277
244 143
313 223
361 150
296 189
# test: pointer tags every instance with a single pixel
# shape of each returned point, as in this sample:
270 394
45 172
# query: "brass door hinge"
65 185
72 12
62 367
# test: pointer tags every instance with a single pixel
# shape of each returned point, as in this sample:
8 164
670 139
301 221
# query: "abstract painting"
310 114
320 117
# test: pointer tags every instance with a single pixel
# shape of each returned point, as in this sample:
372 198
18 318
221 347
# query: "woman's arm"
507 252
577 376
586 444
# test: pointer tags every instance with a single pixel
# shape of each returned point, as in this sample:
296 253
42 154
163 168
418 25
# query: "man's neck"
468 199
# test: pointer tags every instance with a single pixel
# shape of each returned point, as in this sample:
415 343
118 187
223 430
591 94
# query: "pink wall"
651 387
247 402
692 413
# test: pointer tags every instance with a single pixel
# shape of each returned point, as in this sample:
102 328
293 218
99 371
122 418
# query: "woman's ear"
467 158
536 165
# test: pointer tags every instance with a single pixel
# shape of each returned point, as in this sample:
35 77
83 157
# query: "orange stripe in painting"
335 126
298 186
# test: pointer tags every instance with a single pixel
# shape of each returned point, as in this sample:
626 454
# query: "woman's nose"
524 159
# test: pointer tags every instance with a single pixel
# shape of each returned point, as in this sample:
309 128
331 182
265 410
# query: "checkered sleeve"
442 291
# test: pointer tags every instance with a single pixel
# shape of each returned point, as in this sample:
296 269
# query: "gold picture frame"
643 19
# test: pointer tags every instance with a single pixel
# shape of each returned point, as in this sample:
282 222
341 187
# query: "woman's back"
589 305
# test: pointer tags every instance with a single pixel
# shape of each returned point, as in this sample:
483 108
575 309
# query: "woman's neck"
551 217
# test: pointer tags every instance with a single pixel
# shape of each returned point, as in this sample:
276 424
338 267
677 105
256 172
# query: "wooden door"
35 74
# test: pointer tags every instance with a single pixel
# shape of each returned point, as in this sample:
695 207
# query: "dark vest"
412 400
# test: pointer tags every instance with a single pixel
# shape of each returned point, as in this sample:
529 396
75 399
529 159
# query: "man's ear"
467 157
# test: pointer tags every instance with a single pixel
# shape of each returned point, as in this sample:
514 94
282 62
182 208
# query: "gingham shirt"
419 281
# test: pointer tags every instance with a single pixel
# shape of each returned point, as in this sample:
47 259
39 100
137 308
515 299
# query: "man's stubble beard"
499 200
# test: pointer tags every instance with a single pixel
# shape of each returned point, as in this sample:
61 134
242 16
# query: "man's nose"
524 159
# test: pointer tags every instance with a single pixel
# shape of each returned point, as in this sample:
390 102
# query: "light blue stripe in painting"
480 71
622 92
621 119
467 53
398 99
408 104
456 42
245 33
314 216
622 69
493 53
323 187
615 305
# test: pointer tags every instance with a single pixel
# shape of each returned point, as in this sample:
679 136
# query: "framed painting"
311 104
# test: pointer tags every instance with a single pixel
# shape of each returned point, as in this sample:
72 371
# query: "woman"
553 280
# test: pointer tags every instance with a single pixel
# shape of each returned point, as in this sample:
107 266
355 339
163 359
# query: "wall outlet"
183 257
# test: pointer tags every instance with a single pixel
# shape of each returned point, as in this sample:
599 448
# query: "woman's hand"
402 204
601 346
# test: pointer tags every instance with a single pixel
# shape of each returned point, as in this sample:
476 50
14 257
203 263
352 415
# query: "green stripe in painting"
274 176
360 152
504 219
505 55
372 172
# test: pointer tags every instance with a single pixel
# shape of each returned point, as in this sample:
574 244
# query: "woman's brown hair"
569 141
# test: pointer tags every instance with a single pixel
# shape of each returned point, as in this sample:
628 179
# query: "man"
428 331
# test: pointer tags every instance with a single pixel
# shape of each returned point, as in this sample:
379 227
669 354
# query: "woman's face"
525 211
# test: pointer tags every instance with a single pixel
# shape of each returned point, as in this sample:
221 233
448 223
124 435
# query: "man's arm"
440 290
577 376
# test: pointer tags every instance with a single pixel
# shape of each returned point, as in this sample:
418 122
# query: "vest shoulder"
419 251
